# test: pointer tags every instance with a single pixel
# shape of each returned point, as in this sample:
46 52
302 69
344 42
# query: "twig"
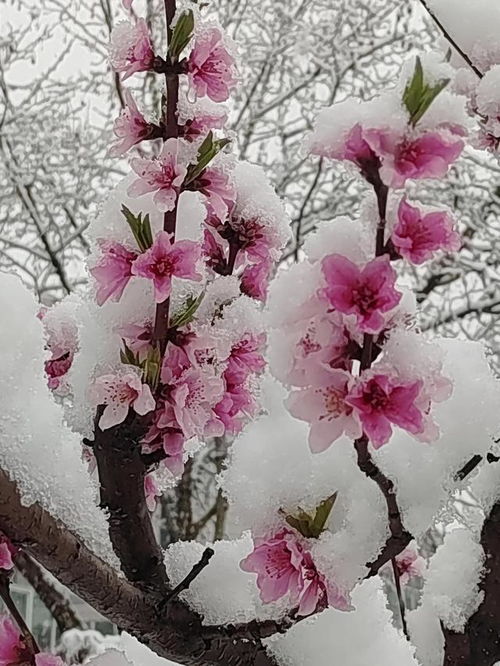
195 571
450 39
397 582
28 637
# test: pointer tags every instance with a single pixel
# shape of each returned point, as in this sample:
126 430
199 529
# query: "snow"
290 476
363 636
208 593
38 450
424 473
452 579
472 25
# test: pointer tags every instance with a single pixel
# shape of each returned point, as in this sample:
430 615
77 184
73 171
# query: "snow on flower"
409 564
130 49
380 401
112 271
165 260
163 175
130 127
46 659
366 292
211 67
324 405
284 566
321 342
417 235
218 190
151 491
118 392
255 280
412 157
62 342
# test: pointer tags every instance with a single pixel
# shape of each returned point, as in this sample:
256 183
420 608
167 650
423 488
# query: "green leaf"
187 312
206 153
151 367
322 513
127 356
309 526
181 36
141 229
418 95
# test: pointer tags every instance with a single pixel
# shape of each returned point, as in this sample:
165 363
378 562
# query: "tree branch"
173 630
121 478
57 604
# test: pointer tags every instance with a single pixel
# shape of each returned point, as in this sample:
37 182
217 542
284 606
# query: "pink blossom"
165 260
57 368
130 127
283 566
218 190
127 4
203 122
366 292
211 67
112 271
165 434
380 401
193 394
324 405
255 280
119 392
409 564
322 342
151 491
245 358
426 156
137 336
353 149
194 397
62 342
417 236
213 252
46 659
237 405
163 175
6 550
130 49
13 649
252 236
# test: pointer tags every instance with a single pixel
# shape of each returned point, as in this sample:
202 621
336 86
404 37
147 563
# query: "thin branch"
195 571
56 603
450 39
173 630
28 637
399 593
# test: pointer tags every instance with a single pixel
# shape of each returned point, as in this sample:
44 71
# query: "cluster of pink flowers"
360 299
14 651
284 566
206 391
248 244
160 263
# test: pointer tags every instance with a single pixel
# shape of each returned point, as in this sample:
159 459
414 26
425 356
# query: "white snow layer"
37 450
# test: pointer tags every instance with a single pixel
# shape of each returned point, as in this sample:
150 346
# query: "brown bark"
171 629
121 479
56 603
479 645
